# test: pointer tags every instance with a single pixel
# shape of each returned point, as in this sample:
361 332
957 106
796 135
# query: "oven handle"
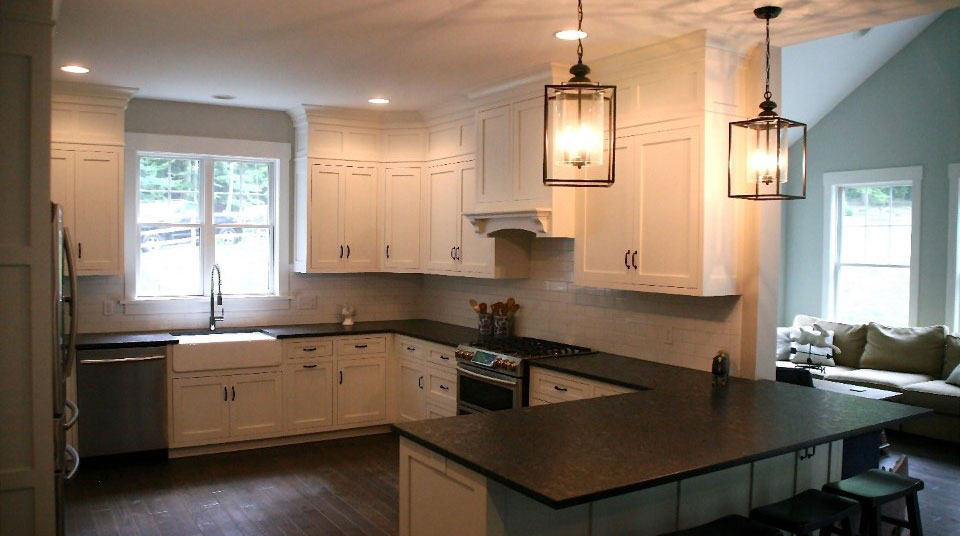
486 378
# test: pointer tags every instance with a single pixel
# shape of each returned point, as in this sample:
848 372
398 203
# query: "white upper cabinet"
452 246
451 139
86 179
88 185
337 218
666 225
402 213
510 193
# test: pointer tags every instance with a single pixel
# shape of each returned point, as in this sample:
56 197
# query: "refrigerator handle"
74 414
72 452
74 306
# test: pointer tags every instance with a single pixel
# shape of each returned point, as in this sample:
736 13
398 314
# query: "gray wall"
905 114
207 120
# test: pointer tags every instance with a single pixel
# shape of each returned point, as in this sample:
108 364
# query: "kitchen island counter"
572 453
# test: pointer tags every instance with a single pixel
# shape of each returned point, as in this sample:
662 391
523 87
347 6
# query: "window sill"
148 306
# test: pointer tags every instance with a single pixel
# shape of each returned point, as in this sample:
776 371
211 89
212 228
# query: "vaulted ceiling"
416 52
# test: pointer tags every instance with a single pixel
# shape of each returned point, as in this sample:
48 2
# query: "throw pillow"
804 347
954 377
951 358
783 343
914 350
849 338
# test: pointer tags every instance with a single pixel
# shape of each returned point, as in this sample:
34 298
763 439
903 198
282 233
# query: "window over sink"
196 202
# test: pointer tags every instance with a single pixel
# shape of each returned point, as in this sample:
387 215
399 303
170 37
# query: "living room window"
194 202
872 222
953 249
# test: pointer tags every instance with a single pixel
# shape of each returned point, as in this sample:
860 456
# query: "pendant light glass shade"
579 129
760 147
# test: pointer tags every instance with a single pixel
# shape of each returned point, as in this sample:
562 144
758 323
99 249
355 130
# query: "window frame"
207 150
883 177
953 248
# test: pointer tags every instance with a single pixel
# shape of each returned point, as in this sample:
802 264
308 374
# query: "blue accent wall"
906 114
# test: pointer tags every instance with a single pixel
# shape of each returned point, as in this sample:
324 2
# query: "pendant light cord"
766 94
580 32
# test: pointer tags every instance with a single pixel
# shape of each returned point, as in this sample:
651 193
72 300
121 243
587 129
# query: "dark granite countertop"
575 452
429 330
101 341
626 371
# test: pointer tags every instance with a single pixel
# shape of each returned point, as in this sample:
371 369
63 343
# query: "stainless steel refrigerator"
65 412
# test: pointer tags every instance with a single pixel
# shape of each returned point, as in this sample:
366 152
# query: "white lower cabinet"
411 394
308 396
548 387
214 408
361 393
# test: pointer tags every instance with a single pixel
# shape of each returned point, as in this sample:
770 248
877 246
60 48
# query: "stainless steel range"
492 374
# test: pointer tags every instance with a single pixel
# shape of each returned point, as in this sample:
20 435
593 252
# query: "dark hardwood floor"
346 486
937 463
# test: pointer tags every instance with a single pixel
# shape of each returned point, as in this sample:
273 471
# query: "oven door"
480 391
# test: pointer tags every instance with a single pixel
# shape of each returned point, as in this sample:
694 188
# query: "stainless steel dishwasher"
123 393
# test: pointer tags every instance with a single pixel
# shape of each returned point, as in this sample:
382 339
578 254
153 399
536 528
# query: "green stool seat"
732 525
875 488
808 511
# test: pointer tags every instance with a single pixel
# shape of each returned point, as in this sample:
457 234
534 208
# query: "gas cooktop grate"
528 347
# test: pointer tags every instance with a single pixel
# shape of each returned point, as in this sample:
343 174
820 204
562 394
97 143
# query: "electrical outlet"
307 301
109 306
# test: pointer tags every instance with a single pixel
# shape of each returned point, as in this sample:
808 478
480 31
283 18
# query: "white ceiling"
817 75
416 52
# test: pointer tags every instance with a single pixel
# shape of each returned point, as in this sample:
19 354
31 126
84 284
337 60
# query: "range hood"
536 221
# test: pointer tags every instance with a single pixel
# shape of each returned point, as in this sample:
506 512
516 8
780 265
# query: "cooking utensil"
474 305
483 308
510 303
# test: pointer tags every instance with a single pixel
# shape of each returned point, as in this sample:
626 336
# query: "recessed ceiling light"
75 69
570 35
223 97
378 100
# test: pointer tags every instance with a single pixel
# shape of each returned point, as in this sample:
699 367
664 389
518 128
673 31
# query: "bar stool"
808 511
732 525
875 488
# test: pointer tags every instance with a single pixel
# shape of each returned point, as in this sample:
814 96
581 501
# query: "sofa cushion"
954 377
951 357
881 379
809 348
783 343
913 350
849 338
937 395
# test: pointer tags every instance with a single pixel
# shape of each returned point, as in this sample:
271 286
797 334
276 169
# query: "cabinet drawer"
442 386
558 386
443 358
411 348
438 411
366 345
308 349
608 389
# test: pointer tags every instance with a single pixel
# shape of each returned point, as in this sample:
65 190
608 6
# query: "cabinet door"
308 396
97 217
443 186
528 160
494 155
412 391
201 409
361 392
401 208
360 219
475 255
325 210
62 183
255 404
668 208
604 242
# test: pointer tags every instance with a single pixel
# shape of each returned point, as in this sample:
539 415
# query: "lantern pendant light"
579 120
759 147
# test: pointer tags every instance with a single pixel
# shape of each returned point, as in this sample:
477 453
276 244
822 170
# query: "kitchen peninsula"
675 454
